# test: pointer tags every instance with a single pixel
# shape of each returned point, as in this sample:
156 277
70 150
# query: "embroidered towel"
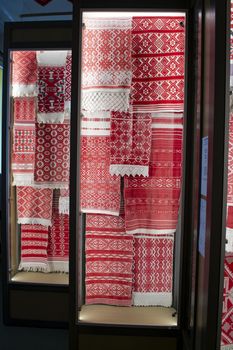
130 143
58 242
158 64
34 206
52 158
227 312
109 259
68 69
34 244
99 191
229 227
153 270
152 204
24 73
51 77
106 64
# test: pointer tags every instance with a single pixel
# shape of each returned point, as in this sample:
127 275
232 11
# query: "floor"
27 338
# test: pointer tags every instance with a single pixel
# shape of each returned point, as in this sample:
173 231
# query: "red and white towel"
106 64
34 205
109 260
152 203
153 270
130 143
99 191
229 226
24 73
227 312
52 157
51 88
158 64
34 245
68 69
64 201
58 241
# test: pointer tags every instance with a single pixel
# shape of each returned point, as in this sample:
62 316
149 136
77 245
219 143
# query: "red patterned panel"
227 312
52 154
109 258
24 110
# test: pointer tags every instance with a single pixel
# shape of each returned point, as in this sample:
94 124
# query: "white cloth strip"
51 117
34 221
51 58
167 126
170 115
95 132
23 90
23 179
58 266
64 205
97 114
229 238
108 23
34 267
152 299
100 211
227 347
126 169
157 237
150 231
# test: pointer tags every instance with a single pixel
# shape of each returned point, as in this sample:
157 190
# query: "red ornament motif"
24 110
227 312
109 259
52 154
157 64
153 270
152 204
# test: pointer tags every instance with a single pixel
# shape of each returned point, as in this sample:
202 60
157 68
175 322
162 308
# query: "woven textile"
109 259
229 229
24 110
227 312
52 155
100 192
158 64
34 206
24 73
130 143
23 155
58 243
67 102
106 64
64 201
152 204
34 244
153 270
50 94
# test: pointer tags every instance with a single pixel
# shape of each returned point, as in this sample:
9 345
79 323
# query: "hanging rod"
24 15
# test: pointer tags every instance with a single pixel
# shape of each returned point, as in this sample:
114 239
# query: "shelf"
39 277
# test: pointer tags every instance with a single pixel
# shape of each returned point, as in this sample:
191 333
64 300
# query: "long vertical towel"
52 157
34 205
158 64
100 192
152 204
109 260
68 69
227 312
229 227
24 73
34 245
51 79
106 64
58 241
153 270
130 143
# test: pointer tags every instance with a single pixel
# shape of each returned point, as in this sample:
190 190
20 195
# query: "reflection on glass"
40 153
131 164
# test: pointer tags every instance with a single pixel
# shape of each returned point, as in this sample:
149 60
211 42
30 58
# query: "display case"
134 155
36 172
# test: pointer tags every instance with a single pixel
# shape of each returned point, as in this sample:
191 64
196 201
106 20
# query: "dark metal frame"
11 44
183 314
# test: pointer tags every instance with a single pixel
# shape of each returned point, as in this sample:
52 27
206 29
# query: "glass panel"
40 100
132 105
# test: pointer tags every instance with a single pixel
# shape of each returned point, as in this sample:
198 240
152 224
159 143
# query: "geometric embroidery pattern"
227 311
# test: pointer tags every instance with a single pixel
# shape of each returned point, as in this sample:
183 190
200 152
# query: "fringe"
152 299
35 221
64 205
34 267
59 266
54 118
127 169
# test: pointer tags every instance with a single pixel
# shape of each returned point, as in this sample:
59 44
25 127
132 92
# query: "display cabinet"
36 172
132 115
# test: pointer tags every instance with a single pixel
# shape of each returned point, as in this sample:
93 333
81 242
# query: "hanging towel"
227 312
24 73
106 64
51 80
64 201
152 203
34 206
153 270
158 64
58 241
52 158
109 259
130 143
34 244
68 69
100 192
